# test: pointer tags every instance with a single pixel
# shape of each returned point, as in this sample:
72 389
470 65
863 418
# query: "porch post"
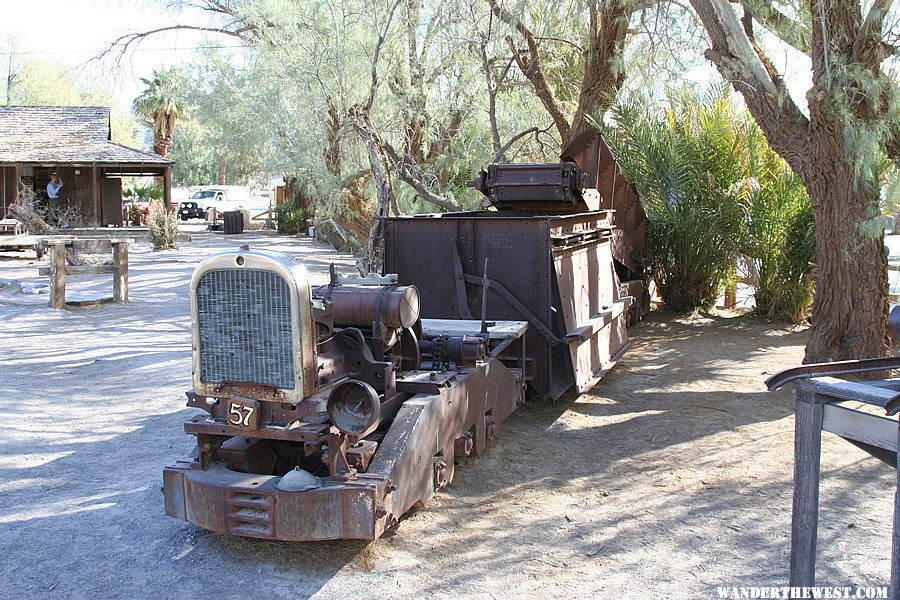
95 196
167 188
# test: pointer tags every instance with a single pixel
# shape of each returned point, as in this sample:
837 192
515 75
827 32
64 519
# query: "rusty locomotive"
328 412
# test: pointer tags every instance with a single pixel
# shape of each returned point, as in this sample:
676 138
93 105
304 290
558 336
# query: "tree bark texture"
163 132
221 170
359 116
850 308
602 76
332 153
849 313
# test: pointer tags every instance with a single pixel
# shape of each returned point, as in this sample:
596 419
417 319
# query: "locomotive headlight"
354 407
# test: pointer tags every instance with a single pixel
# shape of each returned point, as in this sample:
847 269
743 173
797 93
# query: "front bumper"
250 505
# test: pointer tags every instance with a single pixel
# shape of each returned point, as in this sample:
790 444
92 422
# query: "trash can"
233 221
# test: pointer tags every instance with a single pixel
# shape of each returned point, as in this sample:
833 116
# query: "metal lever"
485 284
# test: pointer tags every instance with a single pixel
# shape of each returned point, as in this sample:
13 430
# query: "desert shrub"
687 165
291 218
163 227
714 191
781 245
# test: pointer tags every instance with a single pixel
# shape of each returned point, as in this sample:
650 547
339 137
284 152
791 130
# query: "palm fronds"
682 161
714 190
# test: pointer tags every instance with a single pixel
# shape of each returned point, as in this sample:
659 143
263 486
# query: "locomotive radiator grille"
244 320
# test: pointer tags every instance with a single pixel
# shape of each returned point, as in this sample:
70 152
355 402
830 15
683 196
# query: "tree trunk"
160 147
332 152
384 189
604 73
850 308
849 318
221 170
849 315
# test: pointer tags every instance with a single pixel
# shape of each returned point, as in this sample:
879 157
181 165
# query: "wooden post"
730 297
95 197
120 275
895 547
167 188
57 274
807 459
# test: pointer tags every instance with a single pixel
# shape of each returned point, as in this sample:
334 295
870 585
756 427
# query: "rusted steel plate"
307 432
536 264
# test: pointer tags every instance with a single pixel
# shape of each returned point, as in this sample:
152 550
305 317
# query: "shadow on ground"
670 478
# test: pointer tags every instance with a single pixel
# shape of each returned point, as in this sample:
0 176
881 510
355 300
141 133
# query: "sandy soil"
670 479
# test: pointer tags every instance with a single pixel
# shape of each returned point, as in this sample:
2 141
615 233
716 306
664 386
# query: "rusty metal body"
330 412
556 258
397 306
556 272
319 429
414 457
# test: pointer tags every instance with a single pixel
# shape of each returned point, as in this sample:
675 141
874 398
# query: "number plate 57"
243 413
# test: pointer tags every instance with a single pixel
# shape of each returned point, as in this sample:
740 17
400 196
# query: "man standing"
53 191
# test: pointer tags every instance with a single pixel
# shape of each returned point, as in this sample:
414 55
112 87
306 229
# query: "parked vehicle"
223 198
190 210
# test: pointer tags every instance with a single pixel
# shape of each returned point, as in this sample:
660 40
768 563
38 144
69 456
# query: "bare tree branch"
771 70
376 53
121 44
362 123
543 38
789 30
869 46
498 155
529 62
785 126
409 174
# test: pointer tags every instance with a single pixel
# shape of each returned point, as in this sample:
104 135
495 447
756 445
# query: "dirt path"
671 478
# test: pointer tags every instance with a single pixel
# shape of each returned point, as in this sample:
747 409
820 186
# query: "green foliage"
47 83
159 106
162 226
143 193
160 97
291 218
226 140
686 165
713 191
781 243
195 163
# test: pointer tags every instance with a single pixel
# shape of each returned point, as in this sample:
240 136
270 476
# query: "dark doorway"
111 202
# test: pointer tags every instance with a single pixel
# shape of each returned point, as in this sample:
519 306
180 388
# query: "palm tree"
160 105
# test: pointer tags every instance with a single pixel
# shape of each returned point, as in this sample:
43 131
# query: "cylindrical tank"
359 306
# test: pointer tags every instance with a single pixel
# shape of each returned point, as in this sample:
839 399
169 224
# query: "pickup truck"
222 198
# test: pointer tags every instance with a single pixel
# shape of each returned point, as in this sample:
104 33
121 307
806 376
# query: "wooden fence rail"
58 270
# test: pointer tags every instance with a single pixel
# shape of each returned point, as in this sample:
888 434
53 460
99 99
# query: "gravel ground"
671 478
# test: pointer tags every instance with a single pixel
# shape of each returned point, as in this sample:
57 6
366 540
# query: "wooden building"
75 143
